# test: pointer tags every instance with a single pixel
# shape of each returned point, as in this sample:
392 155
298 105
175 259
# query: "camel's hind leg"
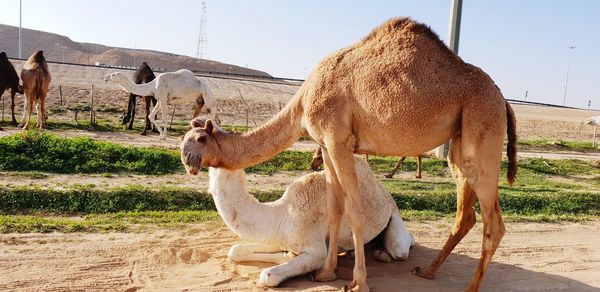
465 211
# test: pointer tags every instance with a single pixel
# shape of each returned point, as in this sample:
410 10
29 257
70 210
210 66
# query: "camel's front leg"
152 117
306 262
335 210
341 153
258 252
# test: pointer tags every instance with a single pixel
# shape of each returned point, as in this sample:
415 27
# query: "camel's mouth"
192 162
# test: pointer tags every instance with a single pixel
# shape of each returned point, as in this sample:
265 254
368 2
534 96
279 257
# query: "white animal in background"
170 88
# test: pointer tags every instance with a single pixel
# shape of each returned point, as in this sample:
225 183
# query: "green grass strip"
22 200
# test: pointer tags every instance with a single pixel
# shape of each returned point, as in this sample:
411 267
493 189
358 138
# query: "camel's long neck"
242 212
243 150
146 89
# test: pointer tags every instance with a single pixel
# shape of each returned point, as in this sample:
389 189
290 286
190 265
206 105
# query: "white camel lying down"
292 231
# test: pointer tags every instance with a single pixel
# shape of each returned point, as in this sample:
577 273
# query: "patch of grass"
31 174
120 222
38 151
559 166
86 199
546 145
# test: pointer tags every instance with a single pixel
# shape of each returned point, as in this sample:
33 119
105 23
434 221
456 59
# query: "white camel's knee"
397 238
236 253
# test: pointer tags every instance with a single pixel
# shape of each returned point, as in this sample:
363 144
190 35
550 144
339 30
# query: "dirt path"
532 257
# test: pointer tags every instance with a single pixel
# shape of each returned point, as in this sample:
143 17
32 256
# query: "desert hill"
55 45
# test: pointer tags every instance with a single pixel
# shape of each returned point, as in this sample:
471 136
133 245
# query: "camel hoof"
389 176
269 279
322 276
382 256
144 133
419 272
14 123
417 176
356 288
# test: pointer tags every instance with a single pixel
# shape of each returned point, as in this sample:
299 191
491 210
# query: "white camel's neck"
146 89
242 212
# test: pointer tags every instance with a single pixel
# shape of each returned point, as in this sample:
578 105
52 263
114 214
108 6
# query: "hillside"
55 45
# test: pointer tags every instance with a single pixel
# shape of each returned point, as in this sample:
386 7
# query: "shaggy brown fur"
398 92
36 80
9 80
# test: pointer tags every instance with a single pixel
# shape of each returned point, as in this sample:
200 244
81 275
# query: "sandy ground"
532 257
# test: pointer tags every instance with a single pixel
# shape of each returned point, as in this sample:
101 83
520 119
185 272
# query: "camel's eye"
202 139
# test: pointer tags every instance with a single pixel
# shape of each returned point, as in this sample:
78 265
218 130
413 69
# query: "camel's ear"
209 127
197 123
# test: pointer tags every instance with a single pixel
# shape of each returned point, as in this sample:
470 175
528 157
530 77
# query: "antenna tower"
202 40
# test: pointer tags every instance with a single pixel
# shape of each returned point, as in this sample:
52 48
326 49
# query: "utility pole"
20 16
454 34
526 92
568 69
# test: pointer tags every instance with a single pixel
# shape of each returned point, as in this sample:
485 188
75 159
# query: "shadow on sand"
454 275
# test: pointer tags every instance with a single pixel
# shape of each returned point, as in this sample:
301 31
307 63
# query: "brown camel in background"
36 80
9 80
398 92
317 161
144 74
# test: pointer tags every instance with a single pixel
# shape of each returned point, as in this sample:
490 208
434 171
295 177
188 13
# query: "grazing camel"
170 88
143 74
36 80
398 92
317 161
292 231
9 80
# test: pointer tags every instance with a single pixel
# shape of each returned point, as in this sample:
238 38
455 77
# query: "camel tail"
38 84
511 147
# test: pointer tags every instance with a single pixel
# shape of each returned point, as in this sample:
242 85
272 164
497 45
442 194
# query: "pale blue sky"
523 45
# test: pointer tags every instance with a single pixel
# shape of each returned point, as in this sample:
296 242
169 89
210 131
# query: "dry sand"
532 257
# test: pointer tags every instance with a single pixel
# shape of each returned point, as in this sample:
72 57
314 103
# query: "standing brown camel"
317 161
399 164
36 80
144 74
9 79
398 92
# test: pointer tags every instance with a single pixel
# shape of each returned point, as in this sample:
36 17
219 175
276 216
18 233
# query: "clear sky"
523 45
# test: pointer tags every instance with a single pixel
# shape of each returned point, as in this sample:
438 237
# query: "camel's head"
317 160
199 146
112 77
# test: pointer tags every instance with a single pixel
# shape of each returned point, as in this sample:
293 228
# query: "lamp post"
454 36
568 69
20 14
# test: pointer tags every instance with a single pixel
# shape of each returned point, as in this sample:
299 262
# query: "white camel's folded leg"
258 252
306 262
397 239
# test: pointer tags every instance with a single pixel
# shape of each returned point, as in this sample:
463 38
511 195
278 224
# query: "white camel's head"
199 146
112 77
